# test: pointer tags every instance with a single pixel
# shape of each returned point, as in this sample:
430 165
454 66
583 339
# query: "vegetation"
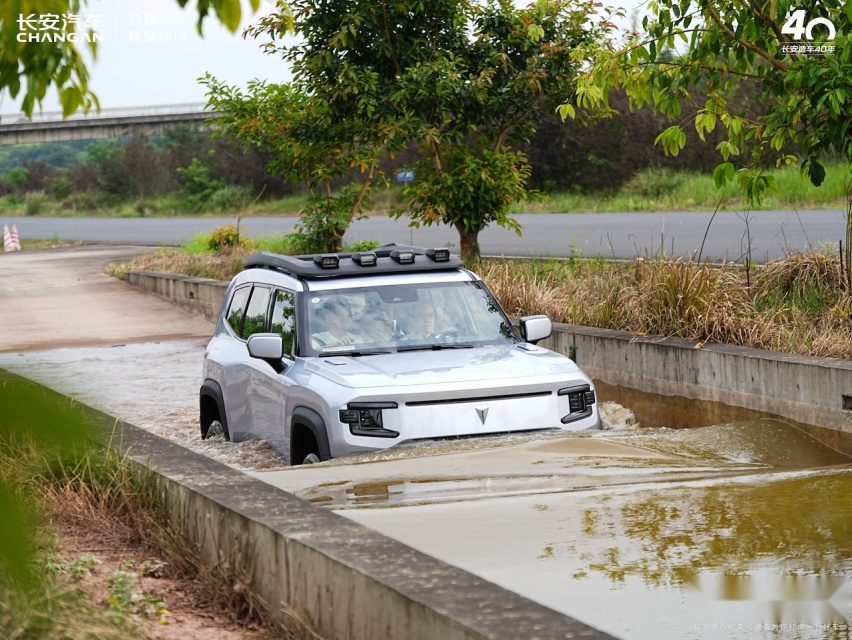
371 81
49 470
36 66
180 172
801 98
797 304
669 190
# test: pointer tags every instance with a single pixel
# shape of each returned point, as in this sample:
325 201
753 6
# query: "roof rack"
390 258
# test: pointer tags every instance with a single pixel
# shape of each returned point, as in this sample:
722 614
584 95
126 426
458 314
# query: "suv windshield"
385 318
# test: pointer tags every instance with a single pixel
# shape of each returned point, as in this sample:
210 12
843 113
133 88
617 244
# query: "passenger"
380 324
338 318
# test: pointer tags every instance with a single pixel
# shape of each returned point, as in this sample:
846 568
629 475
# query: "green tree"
729 43
36 66
307 145
463 79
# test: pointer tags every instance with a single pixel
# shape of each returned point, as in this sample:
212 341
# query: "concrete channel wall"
309 564
667 382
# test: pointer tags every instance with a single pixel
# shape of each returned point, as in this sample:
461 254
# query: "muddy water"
153 385
730 531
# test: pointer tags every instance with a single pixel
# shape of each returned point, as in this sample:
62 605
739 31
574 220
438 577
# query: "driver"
422 321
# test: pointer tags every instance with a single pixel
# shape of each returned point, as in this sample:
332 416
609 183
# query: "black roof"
308 266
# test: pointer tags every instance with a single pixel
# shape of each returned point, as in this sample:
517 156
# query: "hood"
420 368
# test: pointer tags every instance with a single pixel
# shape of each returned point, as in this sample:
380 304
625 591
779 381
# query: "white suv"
328 355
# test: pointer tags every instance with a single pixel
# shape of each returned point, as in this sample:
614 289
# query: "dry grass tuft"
799 304
215 266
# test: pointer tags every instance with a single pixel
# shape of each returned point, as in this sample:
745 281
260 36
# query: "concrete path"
62 298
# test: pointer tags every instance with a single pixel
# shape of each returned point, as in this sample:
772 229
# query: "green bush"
230 199
225 238
196 181
36 202
654 183
60 187
199 244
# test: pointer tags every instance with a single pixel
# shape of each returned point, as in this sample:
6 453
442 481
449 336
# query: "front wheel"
212 424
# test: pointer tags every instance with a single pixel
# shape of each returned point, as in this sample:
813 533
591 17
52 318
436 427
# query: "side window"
255 321
236 309
284 319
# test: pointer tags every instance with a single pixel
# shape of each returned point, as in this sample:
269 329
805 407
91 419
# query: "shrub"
36 202
196 181
226 237
84 201
230 199
60 187
654 182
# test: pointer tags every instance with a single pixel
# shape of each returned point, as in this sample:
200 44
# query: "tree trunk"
469 247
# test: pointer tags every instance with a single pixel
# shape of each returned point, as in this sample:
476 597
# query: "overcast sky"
151 54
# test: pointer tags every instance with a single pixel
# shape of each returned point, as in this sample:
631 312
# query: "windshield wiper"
436 347
329 354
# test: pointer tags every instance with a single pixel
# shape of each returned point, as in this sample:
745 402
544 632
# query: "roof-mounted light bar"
327 261
390 258
438 255
403 256
365 259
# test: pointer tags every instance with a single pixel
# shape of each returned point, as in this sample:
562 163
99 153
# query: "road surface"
768 234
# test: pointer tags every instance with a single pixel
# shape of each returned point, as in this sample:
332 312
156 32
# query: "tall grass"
667 190
799 304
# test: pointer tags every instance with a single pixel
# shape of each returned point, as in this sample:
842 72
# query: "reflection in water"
792 524
667 550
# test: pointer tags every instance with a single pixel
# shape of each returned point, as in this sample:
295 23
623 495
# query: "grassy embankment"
650 190
52 481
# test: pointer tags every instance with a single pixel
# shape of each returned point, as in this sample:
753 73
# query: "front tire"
212 423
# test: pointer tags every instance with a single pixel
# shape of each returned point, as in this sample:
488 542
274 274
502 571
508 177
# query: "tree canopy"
797 55
34 66
461 80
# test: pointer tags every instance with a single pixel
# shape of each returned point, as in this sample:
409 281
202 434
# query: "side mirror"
535 328
266 346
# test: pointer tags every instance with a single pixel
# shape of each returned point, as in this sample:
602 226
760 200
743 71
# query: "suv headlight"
581 399
365 419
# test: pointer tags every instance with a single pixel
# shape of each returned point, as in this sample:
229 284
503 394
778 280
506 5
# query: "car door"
230 354
270 388
264 406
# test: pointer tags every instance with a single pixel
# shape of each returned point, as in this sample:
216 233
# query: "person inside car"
422 321
380 325
336 315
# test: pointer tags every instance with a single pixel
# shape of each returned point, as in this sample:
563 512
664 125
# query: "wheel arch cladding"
211 396
311 420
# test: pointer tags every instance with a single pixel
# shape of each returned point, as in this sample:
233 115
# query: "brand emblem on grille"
483 414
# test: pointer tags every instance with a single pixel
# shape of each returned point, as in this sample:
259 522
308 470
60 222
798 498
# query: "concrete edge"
349 581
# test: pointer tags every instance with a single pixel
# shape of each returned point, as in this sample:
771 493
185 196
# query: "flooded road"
731 531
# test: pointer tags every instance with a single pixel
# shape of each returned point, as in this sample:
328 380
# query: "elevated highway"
108 123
